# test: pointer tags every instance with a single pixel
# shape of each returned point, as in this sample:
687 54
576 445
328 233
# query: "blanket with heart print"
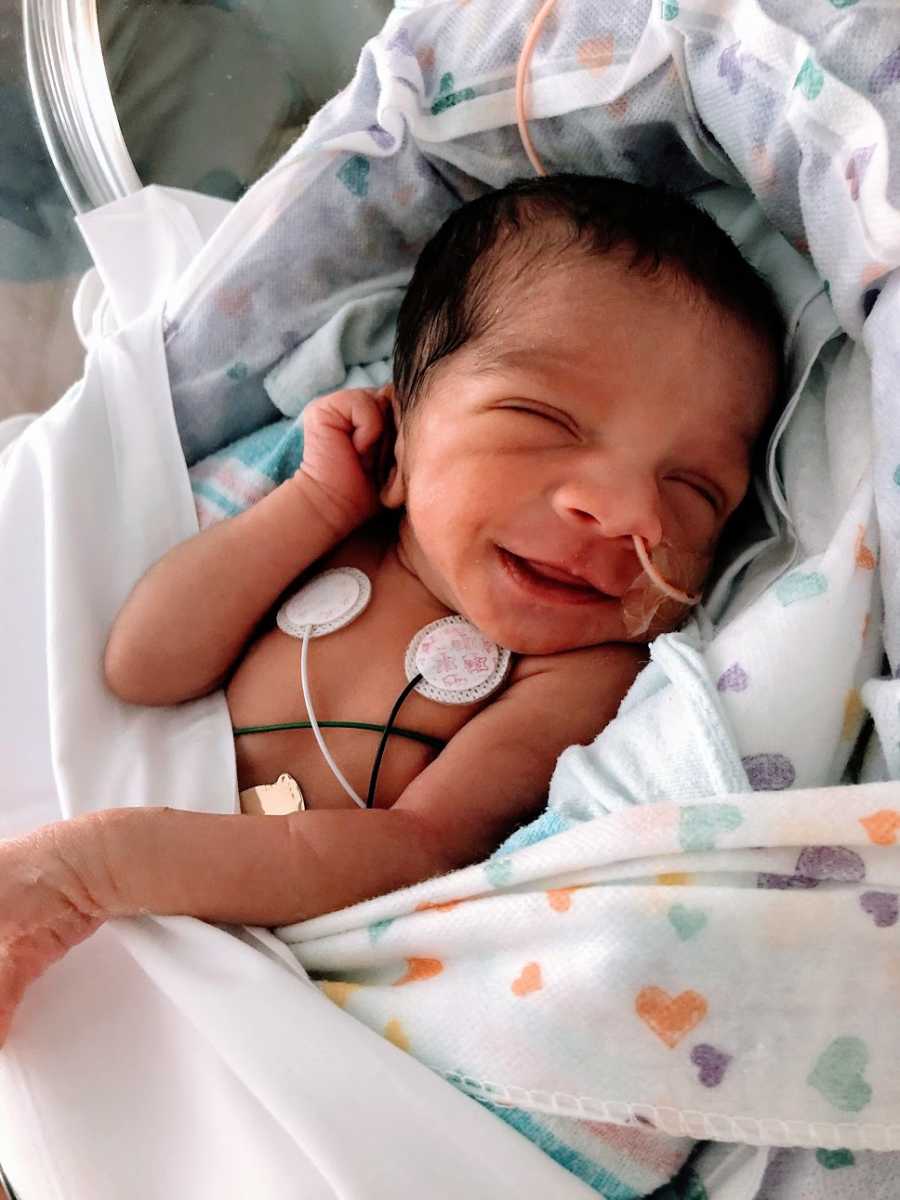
714 970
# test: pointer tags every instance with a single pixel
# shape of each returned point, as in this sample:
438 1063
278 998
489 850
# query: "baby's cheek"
430 501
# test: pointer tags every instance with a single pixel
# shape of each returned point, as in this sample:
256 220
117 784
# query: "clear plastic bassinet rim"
73 102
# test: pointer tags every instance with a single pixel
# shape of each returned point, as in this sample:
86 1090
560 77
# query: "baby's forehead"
532 279
530 306
548 259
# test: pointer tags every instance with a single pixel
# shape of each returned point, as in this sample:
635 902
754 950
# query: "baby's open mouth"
551 582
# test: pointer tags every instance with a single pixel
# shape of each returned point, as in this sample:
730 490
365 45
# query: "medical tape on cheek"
651 596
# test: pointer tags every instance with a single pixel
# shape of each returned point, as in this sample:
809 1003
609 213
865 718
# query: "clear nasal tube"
652 596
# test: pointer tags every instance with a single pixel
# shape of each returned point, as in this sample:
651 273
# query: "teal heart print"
354 175
838 1074
810 79
701 823
800 586
687 922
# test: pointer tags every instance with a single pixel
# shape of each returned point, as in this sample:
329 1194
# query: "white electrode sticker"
328 602
457 662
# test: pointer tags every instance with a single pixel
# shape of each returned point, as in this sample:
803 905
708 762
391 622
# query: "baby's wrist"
336 515
82 868
111 861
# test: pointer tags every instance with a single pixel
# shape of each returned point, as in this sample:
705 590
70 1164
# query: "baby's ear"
393 490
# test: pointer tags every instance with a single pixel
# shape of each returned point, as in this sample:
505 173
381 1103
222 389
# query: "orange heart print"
670 1017
882 826
530 980
418 969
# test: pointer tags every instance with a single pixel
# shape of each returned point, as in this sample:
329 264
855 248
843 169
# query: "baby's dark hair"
448 303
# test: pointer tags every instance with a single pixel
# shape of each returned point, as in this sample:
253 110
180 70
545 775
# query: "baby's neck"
411 558
387 551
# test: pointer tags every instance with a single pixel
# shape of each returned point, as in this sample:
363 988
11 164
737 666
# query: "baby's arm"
187 621
61 883
265 870
190 616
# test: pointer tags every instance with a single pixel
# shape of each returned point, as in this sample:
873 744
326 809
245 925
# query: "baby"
582 370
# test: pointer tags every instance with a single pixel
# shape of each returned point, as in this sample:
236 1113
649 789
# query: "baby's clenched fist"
348 441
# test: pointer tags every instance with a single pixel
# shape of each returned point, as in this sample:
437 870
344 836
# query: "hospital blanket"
650 969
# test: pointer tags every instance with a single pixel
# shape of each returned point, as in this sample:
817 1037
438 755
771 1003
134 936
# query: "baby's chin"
556 637
559 637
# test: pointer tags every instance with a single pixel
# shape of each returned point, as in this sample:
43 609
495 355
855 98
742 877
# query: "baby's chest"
355 677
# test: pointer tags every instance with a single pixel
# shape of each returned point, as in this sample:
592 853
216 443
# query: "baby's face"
600 406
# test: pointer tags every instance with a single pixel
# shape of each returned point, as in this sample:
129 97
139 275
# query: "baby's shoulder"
569 697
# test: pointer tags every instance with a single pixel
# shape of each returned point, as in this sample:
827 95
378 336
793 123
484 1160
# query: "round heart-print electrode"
458 664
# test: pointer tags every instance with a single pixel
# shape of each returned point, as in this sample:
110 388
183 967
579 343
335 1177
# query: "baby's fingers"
368 418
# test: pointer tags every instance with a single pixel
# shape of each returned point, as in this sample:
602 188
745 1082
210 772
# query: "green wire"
411 734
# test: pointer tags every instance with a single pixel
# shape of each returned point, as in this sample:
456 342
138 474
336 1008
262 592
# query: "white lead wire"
304 683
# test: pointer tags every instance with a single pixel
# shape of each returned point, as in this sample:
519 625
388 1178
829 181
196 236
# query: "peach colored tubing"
674 592
521 74
522 121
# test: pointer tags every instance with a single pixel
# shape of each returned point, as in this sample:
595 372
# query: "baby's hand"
348 438
45 910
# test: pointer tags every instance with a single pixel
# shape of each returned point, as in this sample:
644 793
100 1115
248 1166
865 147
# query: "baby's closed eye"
544 412
704 490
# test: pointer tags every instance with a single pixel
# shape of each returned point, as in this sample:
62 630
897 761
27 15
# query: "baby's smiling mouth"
553 581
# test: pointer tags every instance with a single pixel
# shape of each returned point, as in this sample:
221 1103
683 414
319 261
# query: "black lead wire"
5 1184
373 778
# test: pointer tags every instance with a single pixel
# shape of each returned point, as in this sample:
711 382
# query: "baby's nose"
626 506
